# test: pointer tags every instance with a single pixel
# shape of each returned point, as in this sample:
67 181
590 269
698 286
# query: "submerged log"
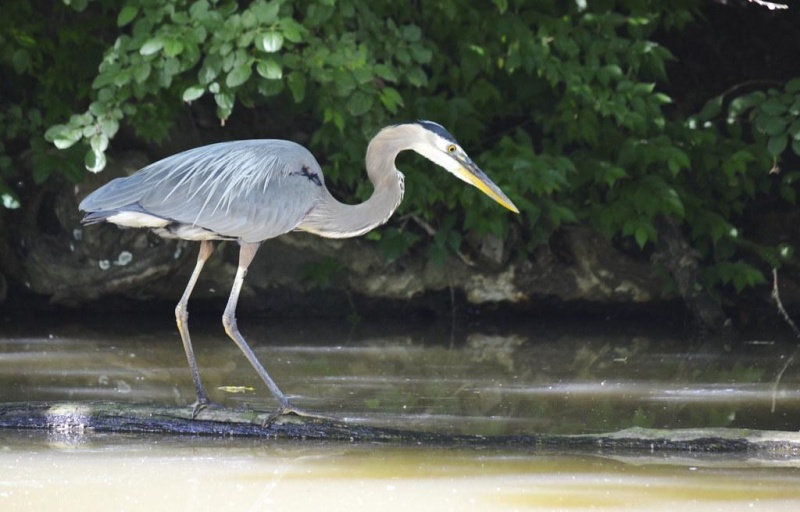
84 419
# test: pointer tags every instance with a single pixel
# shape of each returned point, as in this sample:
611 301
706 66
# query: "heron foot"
201 404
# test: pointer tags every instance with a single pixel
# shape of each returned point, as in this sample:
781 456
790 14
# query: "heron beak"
472 174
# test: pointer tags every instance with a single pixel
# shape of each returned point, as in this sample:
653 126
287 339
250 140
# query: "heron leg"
182 318
247 252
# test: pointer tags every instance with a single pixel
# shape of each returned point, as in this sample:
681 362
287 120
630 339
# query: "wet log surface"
87 418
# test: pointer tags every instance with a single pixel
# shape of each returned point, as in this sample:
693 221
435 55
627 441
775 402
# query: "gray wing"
251 190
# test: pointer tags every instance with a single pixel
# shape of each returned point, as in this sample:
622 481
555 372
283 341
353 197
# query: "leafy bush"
560 102
42 83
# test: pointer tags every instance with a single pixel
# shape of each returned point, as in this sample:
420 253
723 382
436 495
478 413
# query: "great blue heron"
254 190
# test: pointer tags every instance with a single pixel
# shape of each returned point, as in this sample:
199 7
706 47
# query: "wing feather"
252 190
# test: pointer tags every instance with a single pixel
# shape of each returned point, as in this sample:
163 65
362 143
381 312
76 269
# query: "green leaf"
98 108
613 71
385 72
774 107
641 236
417 77
771 125
317 15
152 46
559 214
624 86
642 231
173 47
224 100
210 70
662 98
109 126
292 30
297 84
266 12
334 116
269 69
391 99
643 88
199 9
99 143
193 92
744 103
613 173
270 42
94 162
239 75
793 86
21 60
63 136
711 109
794 110
359 103
411 33
794 129
672 203
437 254
270 87
78 5
10 200
502 5
141 72
421 54
395 243
741 274
777 144
127 14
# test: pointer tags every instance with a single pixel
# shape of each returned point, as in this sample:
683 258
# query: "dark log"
85 419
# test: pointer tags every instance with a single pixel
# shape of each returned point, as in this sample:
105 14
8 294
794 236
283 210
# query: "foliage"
561 103
754 131
311 51
37 60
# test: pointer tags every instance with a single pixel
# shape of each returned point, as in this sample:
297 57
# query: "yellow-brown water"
119 473
522 381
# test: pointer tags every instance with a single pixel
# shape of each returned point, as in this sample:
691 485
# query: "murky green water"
528 378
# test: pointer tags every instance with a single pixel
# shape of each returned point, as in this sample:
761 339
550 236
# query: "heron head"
439 146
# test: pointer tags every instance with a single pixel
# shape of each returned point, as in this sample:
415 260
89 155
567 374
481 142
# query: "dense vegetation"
568 105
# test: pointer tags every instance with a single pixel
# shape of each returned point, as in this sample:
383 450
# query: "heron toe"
203 403
289 410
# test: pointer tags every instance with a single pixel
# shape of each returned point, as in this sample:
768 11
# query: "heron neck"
333 219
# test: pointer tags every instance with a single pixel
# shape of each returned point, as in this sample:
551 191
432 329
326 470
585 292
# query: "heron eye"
451 148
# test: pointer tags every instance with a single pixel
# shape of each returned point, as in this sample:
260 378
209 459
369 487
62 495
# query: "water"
525 378
121 473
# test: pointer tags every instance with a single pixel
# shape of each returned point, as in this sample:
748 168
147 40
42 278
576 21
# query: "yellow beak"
472 174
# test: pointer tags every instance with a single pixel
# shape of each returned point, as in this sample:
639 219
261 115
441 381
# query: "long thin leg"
182 318
247 252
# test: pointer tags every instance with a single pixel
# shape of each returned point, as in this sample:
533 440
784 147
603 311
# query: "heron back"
250 190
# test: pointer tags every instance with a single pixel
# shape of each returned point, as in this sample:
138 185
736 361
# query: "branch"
776 296
431 231
772 6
